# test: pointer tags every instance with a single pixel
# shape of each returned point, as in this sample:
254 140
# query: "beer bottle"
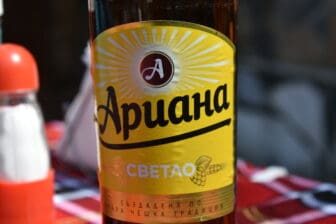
164 80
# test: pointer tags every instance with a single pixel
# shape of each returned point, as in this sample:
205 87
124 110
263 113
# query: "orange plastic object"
27 203
18 69
54 131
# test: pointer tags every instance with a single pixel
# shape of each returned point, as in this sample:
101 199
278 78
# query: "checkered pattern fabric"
286 200
76 195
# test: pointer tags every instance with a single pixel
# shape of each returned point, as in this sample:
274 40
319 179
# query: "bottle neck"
13 99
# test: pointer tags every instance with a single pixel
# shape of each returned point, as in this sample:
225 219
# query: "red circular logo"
156 69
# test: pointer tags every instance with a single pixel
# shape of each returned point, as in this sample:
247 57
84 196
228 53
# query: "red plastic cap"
31 202
18 69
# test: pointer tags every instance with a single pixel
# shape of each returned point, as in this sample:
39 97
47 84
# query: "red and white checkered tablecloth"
76 196
286 200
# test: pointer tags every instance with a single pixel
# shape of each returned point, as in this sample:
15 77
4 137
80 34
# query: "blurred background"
286 74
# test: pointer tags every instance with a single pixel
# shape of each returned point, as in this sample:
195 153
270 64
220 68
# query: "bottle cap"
18 69
28 202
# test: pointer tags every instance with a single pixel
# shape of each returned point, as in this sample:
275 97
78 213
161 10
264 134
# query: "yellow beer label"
165 117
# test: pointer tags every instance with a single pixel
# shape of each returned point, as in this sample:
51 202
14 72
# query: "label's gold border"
186 208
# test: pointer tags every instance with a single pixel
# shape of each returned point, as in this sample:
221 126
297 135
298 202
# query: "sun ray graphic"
117 45
145 36
192 55
136 38
193 44
172 37
124 37
163 35
198 59
109 54
183 39
154 35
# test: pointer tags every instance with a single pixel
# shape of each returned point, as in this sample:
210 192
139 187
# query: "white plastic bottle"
26 180
23 150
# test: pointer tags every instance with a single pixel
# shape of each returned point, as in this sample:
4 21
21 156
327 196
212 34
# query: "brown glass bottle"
217 14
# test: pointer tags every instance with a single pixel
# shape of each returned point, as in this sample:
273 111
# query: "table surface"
284 200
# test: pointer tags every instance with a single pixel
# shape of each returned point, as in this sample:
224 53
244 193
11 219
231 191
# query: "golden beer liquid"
219 15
